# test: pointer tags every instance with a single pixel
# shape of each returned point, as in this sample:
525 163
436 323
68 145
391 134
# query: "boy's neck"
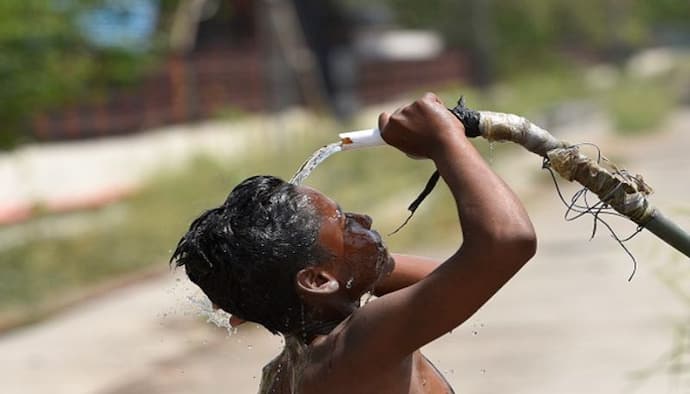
322 319
311 329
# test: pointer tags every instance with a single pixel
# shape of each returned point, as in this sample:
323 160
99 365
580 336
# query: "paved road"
570 322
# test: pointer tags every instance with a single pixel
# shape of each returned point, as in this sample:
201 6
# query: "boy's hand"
421 128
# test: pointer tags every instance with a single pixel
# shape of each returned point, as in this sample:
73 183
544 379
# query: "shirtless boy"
289 258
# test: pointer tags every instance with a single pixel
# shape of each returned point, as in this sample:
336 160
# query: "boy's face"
359 257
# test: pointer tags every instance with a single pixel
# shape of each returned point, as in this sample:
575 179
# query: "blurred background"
122 120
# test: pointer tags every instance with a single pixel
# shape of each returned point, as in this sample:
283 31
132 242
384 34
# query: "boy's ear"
315 281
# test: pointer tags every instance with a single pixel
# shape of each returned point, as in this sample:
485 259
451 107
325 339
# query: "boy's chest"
429 379
415 375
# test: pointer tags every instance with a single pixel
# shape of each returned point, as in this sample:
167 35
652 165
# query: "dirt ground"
569 322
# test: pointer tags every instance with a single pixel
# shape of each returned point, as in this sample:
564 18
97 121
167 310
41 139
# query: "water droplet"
250 347
492 147
349 283
483 371
178 280
475 333
303 321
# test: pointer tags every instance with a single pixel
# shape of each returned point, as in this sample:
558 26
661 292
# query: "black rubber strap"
415 204
430 184
468 117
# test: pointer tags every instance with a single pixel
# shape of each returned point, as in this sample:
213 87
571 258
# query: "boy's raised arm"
407 271
498 239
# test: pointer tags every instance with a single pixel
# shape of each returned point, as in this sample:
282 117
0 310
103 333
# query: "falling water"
316 158
492 148
215 316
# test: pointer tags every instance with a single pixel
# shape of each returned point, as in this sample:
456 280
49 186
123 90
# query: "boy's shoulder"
280 375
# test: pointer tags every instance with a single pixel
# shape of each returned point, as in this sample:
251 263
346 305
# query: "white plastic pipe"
361 139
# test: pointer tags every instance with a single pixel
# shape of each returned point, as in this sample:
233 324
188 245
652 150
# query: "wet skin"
359 258
360 261
375 349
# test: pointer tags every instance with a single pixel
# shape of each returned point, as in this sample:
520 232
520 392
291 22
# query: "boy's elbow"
513 244
516 245
526 245
522 244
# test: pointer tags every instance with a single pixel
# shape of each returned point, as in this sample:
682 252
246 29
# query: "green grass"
43 269
635 105
639 106
526 94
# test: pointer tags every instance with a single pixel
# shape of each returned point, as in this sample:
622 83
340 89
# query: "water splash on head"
213 315
314 160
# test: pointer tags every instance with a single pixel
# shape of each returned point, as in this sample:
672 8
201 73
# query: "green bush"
639 106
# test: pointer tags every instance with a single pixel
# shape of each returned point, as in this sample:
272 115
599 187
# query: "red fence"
189 89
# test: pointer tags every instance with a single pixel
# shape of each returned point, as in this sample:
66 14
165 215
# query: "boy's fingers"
383 120
432 97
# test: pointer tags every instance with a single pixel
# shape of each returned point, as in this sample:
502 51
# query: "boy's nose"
364 220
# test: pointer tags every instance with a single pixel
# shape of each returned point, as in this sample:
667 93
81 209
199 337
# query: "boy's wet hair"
245 254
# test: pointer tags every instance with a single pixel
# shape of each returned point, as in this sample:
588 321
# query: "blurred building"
243 55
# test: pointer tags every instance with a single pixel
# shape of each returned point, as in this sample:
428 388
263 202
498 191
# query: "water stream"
314 160
492 149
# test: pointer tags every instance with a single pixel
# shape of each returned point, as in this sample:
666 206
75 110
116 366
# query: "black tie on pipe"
470 119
